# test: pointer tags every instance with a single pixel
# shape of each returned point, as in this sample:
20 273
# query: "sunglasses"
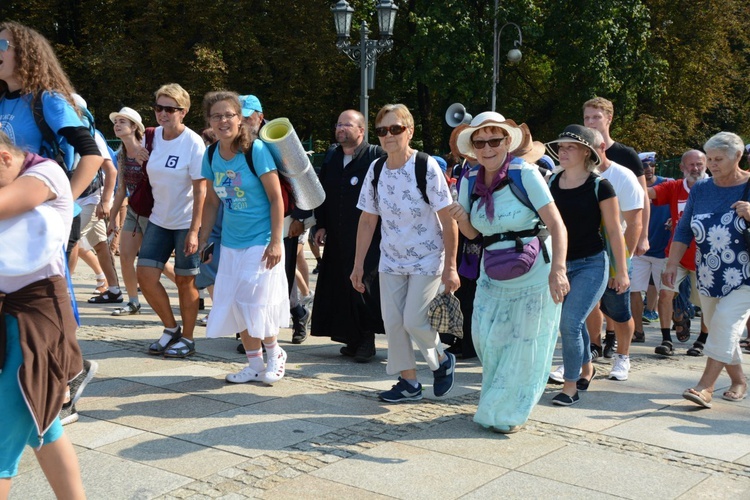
393 129
4 45
169 109
218 117
480 144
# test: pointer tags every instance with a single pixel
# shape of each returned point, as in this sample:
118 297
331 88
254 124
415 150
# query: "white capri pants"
404 300
726 318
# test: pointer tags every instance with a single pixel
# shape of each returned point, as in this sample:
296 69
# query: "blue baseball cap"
441 163
250 104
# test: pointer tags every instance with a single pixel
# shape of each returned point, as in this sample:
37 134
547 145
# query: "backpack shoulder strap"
211 153
420 170
516 186
249 158
48 135
377 169
149 134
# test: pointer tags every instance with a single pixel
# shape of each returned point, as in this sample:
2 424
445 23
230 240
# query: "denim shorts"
18 427
158 244
616 306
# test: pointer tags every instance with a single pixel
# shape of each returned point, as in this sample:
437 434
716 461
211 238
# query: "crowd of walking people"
534 245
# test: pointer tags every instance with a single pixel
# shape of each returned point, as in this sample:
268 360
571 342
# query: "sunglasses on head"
480 144
4 45
169 109
393 129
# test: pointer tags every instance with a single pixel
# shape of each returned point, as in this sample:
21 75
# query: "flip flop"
733 395
702 398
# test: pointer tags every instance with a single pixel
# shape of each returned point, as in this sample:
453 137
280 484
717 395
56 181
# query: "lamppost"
514 55
367 51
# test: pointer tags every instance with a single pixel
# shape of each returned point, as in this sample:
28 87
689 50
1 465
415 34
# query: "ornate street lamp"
367 51
514 55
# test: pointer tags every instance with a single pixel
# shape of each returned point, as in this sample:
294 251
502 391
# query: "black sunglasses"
169 109
480 144
393 129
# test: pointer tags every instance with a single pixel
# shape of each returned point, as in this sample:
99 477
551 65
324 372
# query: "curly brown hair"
243 140
37 66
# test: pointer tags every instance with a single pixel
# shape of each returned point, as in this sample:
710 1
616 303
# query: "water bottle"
454 189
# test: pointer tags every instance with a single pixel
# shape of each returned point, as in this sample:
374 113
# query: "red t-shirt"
675 194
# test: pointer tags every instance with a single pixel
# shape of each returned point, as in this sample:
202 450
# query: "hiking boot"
610 344
365 352
300 319
402 391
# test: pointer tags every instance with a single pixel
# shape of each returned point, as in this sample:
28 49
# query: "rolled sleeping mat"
293 163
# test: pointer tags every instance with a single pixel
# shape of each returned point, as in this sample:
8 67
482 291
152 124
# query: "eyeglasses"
345 125
219 117
4 45
480 144
169 109
393 129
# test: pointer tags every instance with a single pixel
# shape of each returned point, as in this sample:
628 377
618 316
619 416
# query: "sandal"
106 297
130 308
735 395
683 334
100 289
702 397
505 429
696 350
745 343
665 349
639 337
180 349
157 348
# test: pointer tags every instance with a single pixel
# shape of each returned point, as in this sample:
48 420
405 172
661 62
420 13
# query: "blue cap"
250 104
441 162
647 157
546 162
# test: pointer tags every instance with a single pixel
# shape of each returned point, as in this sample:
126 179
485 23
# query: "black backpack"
420 170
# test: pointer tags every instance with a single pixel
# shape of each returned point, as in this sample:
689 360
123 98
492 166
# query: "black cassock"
339 311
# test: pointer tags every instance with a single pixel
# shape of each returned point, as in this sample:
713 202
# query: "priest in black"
339 311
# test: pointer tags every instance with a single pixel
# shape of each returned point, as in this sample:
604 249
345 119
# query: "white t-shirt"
412 237
627 188
172 168
55 179
95 197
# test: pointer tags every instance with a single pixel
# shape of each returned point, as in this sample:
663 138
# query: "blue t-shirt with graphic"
17 121
247 211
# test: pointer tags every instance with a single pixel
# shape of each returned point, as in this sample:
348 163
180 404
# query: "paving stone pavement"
169 429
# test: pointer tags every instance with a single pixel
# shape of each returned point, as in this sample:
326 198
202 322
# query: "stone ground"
156 428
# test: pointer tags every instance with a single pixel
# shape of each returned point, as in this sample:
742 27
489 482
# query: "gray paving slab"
631 477
393 468
719 487
308 486
518 485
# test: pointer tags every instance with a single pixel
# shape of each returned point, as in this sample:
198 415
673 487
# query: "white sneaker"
245 375
275 368
621 368
558 375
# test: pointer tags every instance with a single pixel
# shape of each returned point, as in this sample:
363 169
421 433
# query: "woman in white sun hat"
522 279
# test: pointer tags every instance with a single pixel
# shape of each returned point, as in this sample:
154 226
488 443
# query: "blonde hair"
176 92
401 112
37 66
600 103
7 145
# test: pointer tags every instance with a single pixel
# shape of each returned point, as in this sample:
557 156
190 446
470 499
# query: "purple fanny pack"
509 263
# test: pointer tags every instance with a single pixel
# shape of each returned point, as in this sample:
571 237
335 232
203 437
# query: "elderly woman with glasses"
717 215
522 278
418 245
174 171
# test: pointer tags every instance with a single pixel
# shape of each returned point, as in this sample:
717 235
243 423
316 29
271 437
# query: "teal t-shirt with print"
247 211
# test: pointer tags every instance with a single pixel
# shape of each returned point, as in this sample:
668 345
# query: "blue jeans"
587 278
157 247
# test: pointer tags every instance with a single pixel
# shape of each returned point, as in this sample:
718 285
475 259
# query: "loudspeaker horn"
456 114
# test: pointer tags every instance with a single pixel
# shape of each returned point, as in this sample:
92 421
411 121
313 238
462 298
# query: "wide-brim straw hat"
131 115
519 135
578 134
454 142
530 153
